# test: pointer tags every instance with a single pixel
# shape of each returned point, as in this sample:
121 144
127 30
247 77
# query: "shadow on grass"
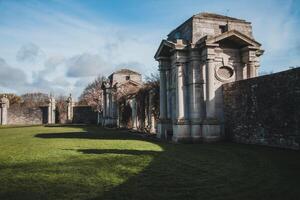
119 151
107 135
199 171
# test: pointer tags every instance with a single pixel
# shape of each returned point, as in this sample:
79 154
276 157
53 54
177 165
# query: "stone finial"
69 99
4 101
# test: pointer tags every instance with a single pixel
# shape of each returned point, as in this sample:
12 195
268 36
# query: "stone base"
163 128
181 133
196 133
211 132
110 122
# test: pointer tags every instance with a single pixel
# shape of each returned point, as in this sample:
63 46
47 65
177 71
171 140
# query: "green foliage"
80 162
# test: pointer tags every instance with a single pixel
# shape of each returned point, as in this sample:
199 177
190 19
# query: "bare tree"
13 98
92 95
61 107
34 99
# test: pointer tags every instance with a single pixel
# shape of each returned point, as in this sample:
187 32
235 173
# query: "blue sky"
61 45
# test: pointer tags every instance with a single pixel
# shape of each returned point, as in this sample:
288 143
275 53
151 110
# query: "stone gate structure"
121 82
199 56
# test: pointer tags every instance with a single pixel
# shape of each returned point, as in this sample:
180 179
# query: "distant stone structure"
18 114
121 82
199 56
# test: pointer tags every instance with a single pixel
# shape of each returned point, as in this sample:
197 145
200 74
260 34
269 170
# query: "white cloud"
29 52
10 76
86 65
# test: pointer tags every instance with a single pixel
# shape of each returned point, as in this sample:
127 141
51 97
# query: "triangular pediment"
233 38
164 49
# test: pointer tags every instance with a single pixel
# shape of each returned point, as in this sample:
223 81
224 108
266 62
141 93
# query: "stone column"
211 129
151 119
104 106
195 89
113 108
163 95
196 97
107 118
168 95
180 92
133 114
51 110
181 128
251 69
4 105
210 91
70 105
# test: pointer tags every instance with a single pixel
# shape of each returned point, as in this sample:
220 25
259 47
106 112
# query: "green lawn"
79 162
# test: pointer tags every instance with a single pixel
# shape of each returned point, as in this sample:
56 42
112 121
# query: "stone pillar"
251 69
113 107
4 105
181 129
151 119
163 95
51 110
104 106
180 92
196 97
134 114
168 94
164 123
107 118
211 129
118 119
70 105
250 57
210 91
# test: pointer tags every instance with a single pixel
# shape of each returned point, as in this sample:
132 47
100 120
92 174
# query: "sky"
59 46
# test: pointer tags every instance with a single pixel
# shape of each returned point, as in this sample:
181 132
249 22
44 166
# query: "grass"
81 162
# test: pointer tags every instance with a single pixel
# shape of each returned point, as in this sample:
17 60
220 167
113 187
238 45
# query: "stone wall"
264 110
24 115
84 114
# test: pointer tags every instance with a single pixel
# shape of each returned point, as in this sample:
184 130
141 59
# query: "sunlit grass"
81 162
